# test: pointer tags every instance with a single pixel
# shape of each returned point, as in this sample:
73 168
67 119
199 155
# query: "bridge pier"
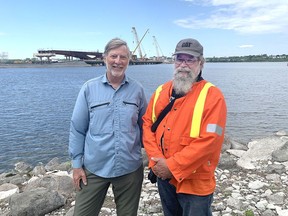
43 55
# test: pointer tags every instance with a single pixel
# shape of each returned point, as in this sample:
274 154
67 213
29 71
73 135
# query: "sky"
223 27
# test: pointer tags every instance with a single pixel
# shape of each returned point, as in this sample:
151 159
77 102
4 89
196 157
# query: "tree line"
250 58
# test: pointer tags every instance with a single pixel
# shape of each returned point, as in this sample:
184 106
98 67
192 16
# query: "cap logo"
186 44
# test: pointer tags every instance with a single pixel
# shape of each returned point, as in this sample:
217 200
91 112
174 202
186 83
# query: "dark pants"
180 204
126 189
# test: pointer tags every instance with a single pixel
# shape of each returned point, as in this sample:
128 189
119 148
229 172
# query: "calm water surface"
36 104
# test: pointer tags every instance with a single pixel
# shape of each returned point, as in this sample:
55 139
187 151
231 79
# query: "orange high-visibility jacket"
190 136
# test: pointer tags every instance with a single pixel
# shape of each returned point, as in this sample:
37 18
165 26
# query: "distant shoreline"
46 65
83 64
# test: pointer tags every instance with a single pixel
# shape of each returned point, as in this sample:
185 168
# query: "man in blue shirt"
106 135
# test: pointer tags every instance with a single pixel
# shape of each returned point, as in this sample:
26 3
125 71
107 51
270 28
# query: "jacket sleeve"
78 129
149 138
201 155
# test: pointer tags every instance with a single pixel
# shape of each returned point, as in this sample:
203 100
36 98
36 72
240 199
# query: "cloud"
246 46
2 33
246 17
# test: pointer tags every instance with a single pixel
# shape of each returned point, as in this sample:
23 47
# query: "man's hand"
78 175
161 169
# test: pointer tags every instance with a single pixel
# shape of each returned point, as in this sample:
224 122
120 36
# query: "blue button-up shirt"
106 127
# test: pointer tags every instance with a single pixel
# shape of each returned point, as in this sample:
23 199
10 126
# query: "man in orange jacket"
184 142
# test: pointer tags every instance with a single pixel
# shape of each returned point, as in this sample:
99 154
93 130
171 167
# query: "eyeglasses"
188 61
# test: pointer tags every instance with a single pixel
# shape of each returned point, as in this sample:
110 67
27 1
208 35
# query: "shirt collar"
125 80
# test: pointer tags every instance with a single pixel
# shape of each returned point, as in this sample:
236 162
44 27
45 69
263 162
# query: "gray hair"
115 43
202 59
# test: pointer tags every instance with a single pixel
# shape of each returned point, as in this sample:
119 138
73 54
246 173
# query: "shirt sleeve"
78 129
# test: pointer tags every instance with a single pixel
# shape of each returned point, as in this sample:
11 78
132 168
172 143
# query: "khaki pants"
126 189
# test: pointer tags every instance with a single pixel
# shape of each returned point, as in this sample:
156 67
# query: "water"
36 104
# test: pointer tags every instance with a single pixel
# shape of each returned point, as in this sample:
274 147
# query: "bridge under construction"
69 55
96 58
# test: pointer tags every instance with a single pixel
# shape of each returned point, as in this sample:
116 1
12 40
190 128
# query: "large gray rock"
275 168
55 164
39 201
281 155
238 146
22 167
260 150
281 133
62 184
13 178
7 190
38 170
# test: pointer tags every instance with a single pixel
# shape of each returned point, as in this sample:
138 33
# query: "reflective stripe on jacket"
198 110
189 137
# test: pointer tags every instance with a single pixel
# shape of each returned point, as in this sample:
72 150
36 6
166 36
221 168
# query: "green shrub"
249 213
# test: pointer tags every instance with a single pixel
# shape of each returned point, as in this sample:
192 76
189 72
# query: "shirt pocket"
129 113
100 117
184 141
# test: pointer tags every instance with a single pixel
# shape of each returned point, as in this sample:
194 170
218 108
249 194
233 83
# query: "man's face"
187 66
187 69
117 61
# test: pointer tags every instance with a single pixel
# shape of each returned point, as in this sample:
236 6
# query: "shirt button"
168 129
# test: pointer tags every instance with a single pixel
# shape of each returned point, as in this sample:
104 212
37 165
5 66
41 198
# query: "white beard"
182 84
116 72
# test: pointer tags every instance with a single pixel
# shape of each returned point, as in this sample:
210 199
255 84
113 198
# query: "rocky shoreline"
252 179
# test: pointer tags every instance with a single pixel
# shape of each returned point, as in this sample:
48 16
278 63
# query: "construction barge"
93 62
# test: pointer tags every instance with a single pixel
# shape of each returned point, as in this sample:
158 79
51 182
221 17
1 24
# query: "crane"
138 42
157 47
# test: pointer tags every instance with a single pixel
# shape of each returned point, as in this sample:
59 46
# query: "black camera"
152 177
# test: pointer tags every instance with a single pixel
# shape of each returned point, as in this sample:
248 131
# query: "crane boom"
157 47
138 42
